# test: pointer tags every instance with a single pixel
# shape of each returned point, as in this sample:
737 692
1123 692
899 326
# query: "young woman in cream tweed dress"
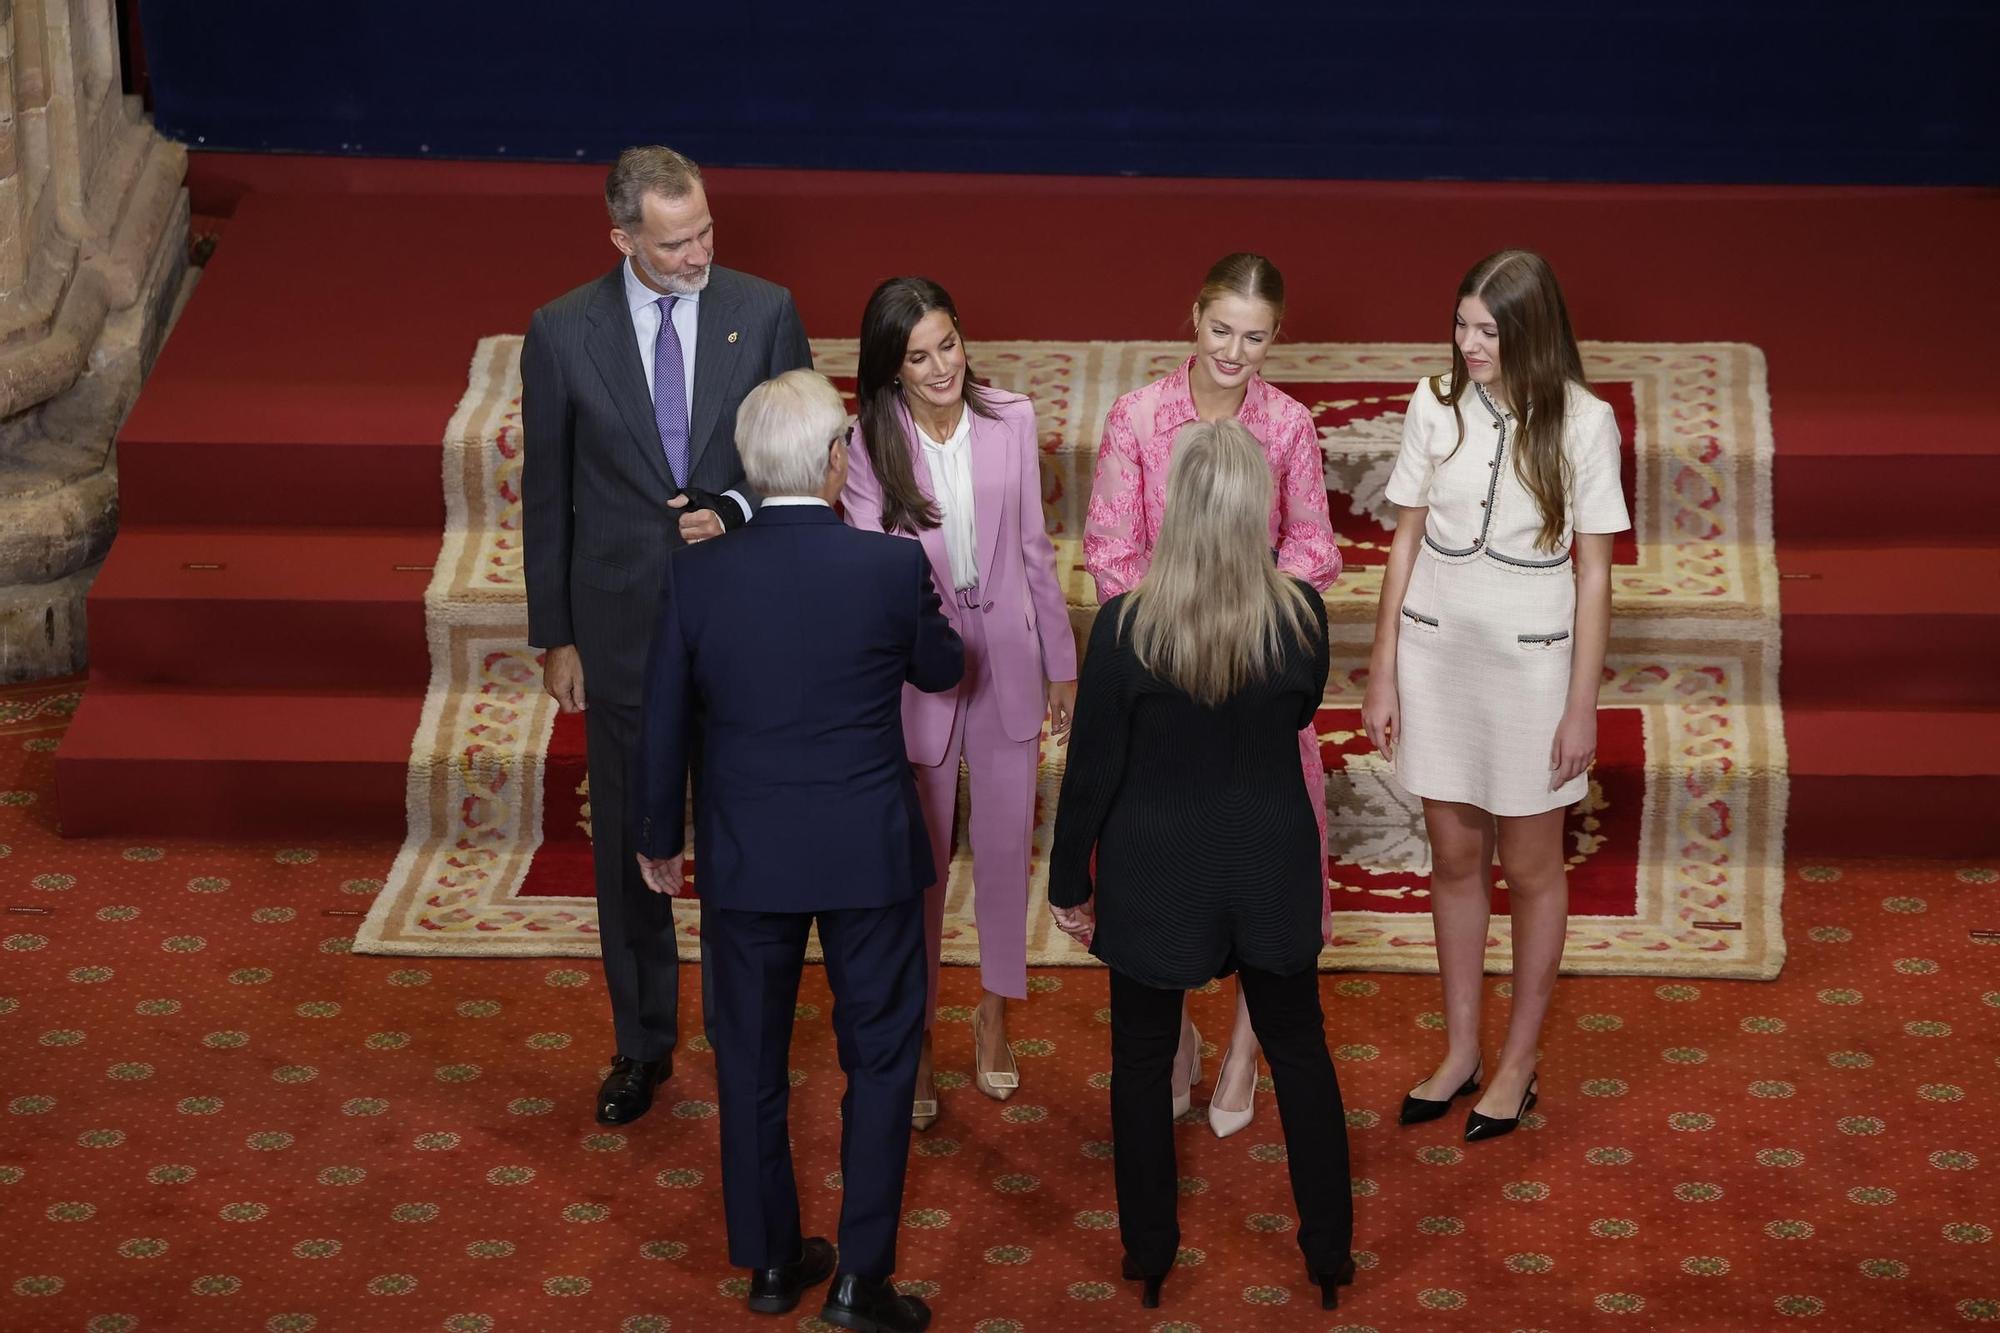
1489 647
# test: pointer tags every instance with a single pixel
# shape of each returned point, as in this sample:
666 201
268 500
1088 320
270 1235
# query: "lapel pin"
732 335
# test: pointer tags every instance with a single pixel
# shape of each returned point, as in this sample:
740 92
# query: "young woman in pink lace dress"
1236 318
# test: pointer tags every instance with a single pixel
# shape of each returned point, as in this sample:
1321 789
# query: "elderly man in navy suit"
791 642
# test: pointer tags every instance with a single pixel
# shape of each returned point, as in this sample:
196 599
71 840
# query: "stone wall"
93 259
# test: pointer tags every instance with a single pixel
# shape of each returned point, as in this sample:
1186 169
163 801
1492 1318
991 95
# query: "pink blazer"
1028 638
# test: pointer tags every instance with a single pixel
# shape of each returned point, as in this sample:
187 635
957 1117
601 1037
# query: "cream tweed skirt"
1482 675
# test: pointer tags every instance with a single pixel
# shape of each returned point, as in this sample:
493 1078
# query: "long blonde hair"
1211 614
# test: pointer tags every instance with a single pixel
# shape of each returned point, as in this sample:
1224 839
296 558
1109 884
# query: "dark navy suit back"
791 640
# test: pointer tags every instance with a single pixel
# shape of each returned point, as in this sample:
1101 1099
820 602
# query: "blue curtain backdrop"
1613 91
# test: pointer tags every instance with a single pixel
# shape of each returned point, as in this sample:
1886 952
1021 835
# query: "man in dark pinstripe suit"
629 391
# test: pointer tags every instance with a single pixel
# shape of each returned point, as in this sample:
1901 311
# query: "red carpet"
267 415
217 1119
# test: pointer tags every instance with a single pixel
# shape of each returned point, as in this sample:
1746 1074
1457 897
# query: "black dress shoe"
777 1290
873 1307
1416 1110
627 1092
1479 1126
1150 1283
1329 1284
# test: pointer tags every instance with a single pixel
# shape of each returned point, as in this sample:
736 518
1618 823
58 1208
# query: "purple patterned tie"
670 393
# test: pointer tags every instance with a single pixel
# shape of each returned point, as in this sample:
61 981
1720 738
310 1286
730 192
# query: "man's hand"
662 874
697 525
705 514
562 677
1062 708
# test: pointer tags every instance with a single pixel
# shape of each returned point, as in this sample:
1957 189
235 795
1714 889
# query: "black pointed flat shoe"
1479 1126
1416 1110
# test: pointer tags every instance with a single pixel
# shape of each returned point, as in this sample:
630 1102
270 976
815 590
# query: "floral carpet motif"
1674 857
216 1117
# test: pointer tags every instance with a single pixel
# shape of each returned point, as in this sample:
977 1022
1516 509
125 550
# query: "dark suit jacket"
792 638
595 485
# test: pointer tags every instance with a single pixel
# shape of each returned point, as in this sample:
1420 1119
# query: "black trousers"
635 926
875 967
1145 1030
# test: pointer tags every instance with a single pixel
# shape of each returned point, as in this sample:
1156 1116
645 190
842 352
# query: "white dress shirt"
644 303
951 482
782 500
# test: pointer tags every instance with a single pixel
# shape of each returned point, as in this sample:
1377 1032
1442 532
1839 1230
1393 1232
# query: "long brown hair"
1538 363
1212 614
893 311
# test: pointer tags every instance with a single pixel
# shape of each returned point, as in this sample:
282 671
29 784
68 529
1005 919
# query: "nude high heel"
1225 1122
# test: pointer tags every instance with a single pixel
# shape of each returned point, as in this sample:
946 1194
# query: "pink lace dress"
1128 500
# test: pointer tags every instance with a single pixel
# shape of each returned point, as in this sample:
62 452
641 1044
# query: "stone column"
93 259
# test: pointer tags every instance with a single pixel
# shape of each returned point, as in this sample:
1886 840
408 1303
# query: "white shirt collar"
638 295
770 500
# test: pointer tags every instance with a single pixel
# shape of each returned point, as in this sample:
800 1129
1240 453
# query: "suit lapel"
718 359
613 346
991 477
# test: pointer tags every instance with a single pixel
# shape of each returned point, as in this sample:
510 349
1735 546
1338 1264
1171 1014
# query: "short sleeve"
1599 498
1410 484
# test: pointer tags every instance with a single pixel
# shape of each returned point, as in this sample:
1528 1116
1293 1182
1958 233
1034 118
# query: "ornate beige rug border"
1695 652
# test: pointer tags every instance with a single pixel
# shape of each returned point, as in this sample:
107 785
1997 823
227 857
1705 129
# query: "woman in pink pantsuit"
954 465
1236 319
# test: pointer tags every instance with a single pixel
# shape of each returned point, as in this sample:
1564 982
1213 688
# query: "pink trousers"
1002 825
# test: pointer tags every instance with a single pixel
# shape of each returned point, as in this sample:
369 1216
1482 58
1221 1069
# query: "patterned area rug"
214 1118
1674 857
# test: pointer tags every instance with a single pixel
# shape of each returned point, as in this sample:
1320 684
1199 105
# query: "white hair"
784 432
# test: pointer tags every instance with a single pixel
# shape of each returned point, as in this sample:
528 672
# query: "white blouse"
1477 502
951 486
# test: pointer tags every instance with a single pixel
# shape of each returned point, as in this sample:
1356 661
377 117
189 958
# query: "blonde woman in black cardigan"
1183 780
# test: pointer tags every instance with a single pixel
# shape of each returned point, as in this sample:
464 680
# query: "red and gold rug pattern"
216 1117
1674 856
